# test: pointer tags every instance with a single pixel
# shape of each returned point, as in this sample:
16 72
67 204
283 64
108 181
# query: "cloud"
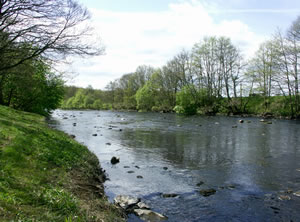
153 38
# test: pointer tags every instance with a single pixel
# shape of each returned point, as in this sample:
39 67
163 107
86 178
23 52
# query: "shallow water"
249 166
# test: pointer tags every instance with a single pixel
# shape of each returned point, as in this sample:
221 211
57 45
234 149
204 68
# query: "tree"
51 28
36 90
264 69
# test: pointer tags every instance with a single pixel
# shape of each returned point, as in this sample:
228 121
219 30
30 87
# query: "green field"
47 176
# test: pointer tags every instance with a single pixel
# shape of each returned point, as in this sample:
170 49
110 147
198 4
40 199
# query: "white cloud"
153 38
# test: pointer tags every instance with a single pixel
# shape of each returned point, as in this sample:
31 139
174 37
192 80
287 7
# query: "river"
253 166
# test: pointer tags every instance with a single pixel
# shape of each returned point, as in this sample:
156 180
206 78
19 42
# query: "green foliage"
187 101
32 87
145 97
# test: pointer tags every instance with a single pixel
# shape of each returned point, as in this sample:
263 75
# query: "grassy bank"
47 176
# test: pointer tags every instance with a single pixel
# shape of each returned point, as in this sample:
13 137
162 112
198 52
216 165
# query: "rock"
235 126
207 192
95 134
139 177
130 171
274 208
284 197
248 121
149 215
217 123
114 160
200 183
289 191
265 121
126 166
120 130
109 128
98 116
108 144
65 117
231 186
137 167
72 136
268 115
74 124
297 193
123 119
178 125
241 121
142 205
126 202
169 195
165 168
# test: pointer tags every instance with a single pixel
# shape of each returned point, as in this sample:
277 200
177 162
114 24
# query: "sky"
152 32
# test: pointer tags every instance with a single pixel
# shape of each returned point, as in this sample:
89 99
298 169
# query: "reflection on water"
250 166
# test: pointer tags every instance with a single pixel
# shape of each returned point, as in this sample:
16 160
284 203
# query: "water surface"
249 166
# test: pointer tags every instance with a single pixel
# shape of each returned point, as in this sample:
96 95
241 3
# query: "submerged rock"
200 183
207 192
130 171
169 195
95 134
235 126
230 186
149 215
139 177
114 160
108 144
126 202
284 197
165 168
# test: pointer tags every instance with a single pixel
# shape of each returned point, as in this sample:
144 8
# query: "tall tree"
52 28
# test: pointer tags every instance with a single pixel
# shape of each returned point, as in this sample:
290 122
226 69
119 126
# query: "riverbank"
47 176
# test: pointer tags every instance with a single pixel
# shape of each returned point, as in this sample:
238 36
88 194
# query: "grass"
47 176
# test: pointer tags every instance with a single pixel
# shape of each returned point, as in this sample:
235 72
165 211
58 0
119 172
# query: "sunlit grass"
37 168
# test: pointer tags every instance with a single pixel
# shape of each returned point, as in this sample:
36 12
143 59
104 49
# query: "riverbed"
253 166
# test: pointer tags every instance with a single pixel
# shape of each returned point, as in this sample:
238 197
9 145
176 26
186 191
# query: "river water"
254 167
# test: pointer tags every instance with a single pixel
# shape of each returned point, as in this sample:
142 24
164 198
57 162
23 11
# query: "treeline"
34 36
212 78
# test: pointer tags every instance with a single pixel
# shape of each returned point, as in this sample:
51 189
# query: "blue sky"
151 32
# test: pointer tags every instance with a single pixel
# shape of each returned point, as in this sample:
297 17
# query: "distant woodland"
212 78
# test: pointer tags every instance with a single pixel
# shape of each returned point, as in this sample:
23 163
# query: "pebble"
207 192
284 197
200 183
